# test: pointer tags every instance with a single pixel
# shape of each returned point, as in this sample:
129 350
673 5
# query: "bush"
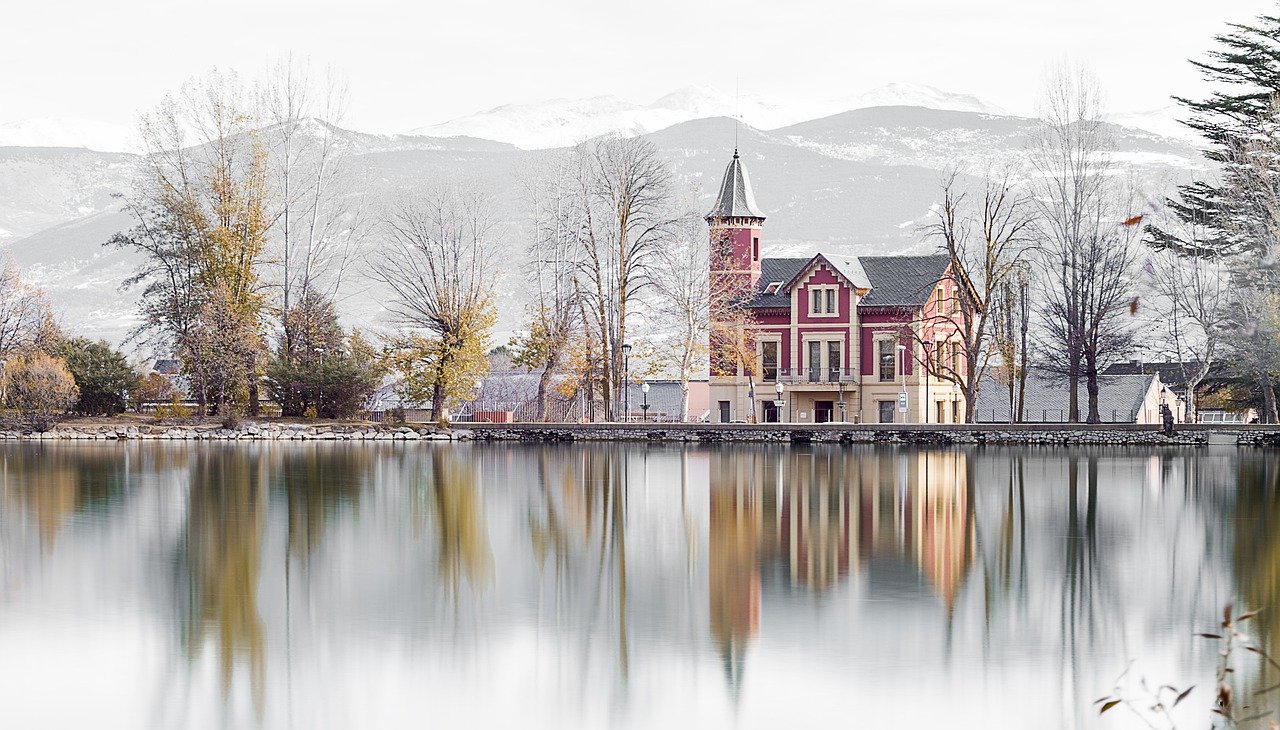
174 409
155 388
102 375
40 388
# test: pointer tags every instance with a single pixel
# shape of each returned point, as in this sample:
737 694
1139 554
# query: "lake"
331 585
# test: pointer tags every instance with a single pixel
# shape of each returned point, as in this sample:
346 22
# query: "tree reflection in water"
220 555
612 584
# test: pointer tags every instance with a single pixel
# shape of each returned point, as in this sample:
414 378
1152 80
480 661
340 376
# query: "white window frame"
897 358
760 341
821 290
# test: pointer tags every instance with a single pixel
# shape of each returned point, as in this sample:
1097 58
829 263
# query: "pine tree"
1245 69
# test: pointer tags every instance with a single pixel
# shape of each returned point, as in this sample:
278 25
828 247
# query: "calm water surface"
349 586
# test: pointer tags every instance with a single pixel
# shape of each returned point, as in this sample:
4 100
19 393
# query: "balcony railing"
809 375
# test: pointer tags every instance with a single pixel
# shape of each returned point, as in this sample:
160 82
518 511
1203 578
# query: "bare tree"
1010 335
684 300
1192 300
1086 256
626 216
554 314
985 249
24 312
439 263
317 227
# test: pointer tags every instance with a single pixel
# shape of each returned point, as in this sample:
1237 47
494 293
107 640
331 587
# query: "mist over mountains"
857 182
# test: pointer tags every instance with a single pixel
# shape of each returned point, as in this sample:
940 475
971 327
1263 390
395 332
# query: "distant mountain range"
859 181
564 122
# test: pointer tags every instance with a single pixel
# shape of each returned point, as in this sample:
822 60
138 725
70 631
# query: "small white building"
1121 399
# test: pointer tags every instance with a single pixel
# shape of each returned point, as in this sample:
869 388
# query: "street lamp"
644 388
626 382
928 360
902 365
777 404
751 399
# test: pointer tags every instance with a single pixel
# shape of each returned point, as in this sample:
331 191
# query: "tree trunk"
437 403
1091 384
544 381
1073 401
253 409
1269 399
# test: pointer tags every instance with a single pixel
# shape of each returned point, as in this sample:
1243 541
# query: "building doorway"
724 411
770 414
887 408
824 411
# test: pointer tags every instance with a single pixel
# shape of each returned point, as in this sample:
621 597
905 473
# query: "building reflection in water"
818 515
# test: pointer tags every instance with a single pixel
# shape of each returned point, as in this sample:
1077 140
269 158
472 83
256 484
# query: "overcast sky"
412 63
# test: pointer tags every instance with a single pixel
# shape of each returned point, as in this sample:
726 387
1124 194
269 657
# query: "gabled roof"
1170 372
902 281
735 199
847 268
1047 399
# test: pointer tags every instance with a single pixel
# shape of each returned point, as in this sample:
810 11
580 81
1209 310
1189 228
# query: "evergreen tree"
1245 71
317 366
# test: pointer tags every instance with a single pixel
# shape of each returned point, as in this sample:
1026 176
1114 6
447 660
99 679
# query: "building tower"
735 223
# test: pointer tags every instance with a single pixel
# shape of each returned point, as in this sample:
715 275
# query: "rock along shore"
930 434
1051 435
244 432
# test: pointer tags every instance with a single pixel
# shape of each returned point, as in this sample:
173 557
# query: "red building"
824 338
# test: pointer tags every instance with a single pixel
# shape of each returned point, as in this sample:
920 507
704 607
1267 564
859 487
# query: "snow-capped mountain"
48 132
912 95
564 122
1164 121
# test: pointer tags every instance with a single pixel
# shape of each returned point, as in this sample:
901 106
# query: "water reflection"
332 585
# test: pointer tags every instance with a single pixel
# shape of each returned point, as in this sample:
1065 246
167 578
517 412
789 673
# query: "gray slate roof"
894 281
902 281
735 199
776 271
1119 398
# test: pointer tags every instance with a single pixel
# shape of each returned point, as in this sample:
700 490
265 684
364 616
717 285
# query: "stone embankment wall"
1055 435
246 432
925 435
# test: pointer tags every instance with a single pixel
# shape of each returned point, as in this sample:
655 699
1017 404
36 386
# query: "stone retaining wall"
839 435
247 431
1057 435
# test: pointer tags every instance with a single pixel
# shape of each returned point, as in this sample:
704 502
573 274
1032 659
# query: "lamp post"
644 388
902 366
626 382
751 401
777 404
928 361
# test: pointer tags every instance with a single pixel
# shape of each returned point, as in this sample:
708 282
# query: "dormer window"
773 288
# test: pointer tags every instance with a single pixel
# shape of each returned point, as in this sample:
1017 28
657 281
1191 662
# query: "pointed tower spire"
735 198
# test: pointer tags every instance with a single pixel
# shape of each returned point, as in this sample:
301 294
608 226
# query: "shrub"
102 374
155 388
40 388
174 409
